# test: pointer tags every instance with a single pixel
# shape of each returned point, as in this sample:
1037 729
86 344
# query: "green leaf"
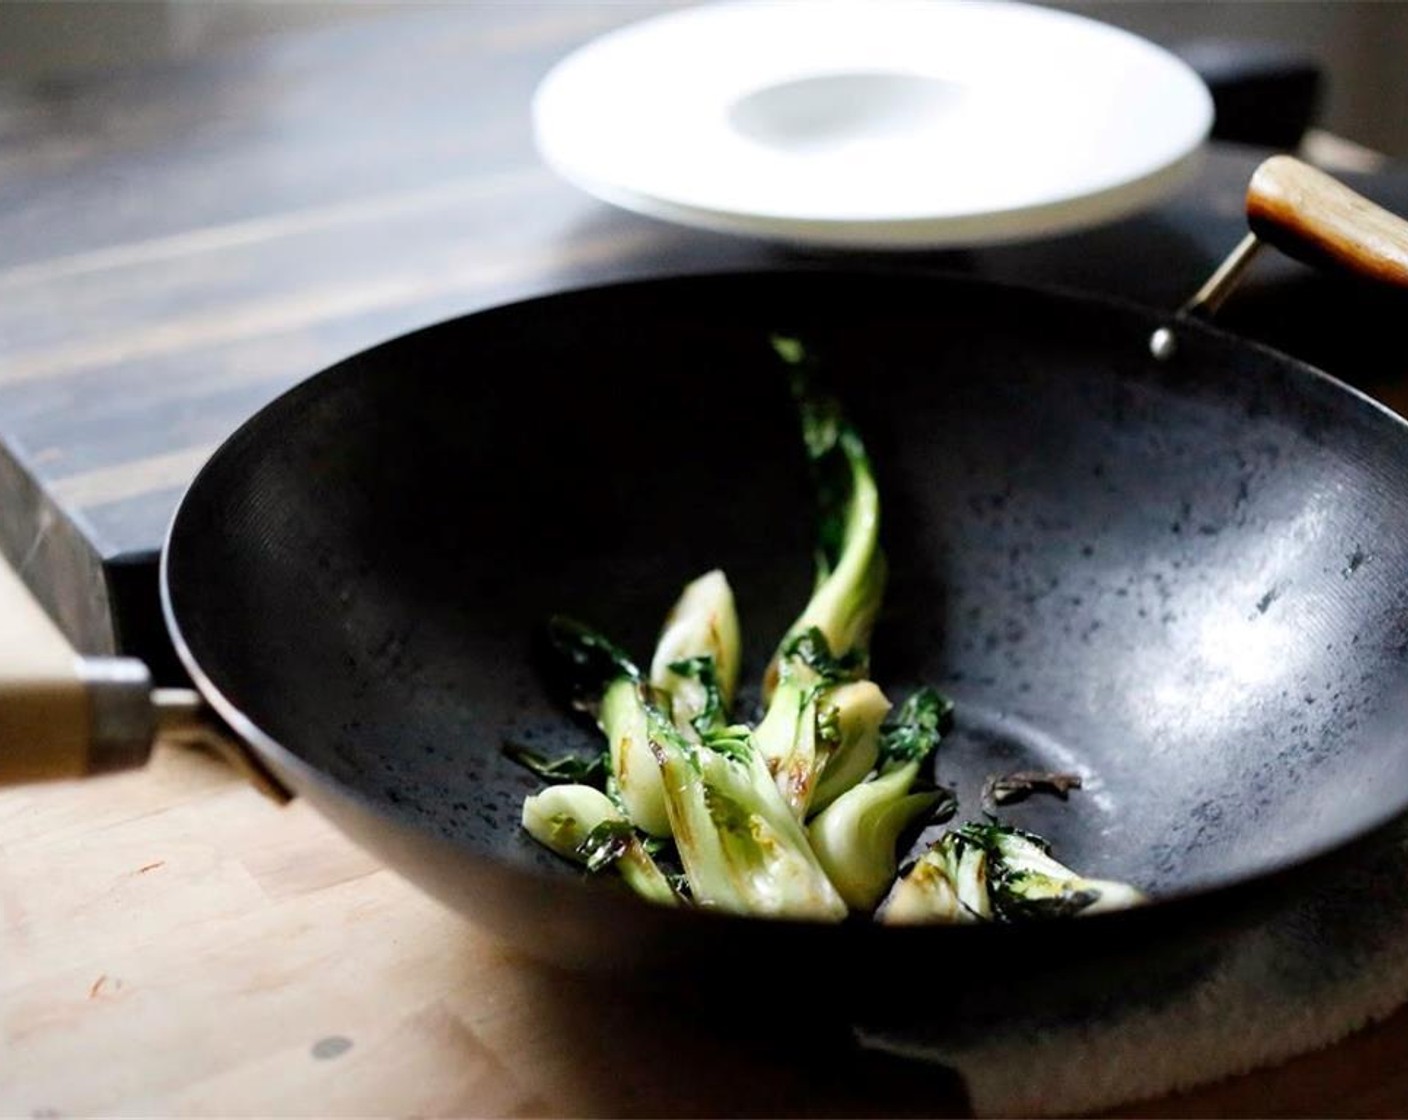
567 768
914 732
810 648
587 659
704 670
789 349
834 448
734 743
605 844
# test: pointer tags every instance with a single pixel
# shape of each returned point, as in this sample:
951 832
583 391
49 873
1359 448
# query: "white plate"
901 123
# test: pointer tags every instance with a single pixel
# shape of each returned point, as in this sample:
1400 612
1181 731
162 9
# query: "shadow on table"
638 1054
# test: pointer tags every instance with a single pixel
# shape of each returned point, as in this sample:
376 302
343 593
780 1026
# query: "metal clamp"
1208 299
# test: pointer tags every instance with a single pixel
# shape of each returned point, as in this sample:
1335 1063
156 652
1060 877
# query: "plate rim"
1059 213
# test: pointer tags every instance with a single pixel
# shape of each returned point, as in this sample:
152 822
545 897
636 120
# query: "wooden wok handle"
63 716
1316 219
66 716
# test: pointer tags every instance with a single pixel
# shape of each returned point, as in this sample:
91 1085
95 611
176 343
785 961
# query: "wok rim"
1174 904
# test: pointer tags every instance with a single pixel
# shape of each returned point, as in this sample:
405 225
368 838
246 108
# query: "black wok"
1186 579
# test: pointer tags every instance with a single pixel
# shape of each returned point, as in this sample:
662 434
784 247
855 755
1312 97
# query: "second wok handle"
61 715
66 716
1318 220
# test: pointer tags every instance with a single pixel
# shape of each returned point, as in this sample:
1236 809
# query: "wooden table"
177 246
170 942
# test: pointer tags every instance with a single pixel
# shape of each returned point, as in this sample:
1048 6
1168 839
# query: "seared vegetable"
605 681
912 735
1028 883
850 566
581 824
697 656
787 741
742 849
947 884
1020 881
855 837
805 730
565 768
635 779
828 644
735 801
852 715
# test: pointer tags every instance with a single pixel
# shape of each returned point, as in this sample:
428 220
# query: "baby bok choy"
1028 883
948 884
856 836
802 816
1010 876
606 682
818 735
821 721
697 656
742 849
850 567
694 674
582 824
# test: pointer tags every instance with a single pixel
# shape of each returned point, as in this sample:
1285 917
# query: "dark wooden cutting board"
179 245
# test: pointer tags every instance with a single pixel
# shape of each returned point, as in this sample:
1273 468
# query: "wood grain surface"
171 943
179 245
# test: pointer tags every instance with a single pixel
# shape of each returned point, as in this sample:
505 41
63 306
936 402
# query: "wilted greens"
808 813
583 824
986 870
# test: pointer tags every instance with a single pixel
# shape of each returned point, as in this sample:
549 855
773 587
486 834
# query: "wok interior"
1183 581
